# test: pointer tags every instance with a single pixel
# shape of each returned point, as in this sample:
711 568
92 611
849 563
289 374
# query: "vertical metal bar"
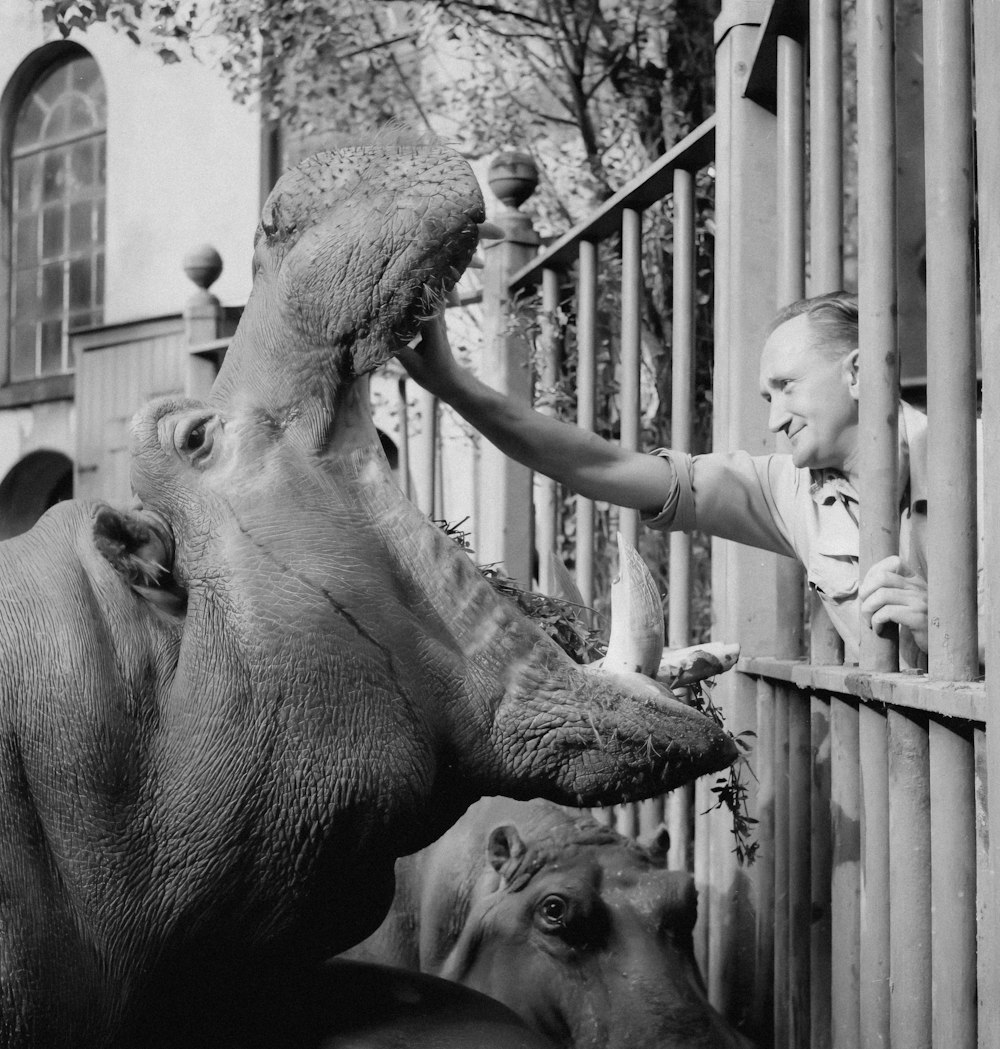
702 873
682 344
879 402
628 519
546 490
874 913
791 210
951 342
826 137
953 885
845 887
799 869
765 768
826 219
403 415
586 380
425 448
821 874
790 285
909 881
987 36
782 847
682 390
984 968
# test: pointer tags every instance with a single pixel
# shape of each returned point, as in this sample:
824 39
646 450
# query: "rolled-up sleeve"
734 496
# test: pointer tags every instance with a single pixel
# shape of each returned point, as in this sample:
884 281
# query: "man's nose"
778 417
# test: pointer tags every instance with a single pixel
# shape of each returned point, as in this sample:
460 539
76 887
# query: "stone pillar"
202 320
504 514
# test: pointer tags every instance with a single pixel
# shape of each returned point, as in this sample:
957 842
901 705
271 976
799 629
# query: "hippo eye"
196 438
553 911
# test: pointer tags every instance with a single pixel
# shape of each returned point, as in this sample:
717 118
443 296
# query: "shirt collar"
828 486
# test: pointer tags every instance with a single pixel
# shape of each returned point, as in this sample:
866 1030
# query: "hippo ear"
657 844
504 846
138 546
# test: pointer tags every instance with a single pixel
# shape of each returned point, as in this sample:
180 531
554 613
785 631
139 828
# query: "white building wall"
183 169
183 166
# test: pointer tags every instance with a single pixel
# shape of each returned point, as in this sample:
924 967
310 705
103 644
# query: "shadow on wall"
37 482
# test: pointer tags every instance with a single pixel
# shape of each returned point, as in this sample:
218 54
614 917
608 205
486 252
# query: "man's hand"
429 361
893 593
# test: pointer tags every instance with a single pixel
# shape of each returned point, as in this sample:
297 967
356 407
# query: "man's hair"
833 321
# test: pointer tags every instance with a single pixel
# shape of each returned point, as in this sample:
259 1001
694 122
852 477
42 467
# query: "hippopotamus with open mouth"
227 709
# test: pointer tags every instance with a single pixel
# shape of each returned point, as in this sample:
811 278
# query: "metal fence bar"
790 285
679 802
546 490
780 702
826 219
951 341
845 888
423 449
909 881
821 874
765 769
682 395
874 913
985 972
826 148
631 331
799 869
953 885
586 391
987 33
878 453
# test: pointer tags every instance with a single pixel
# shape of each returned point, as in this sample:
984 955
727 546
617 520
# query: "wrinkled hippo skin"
227 709
581 931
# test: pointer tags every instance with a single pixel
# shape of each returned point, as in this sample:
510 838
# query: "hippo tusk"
488 231
636 641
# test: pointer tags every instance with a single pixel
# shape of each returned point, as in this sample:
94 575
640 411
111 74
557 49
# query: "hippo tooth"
636 641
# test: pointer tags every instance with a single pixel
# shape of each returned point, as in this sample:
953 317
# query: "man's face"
813 398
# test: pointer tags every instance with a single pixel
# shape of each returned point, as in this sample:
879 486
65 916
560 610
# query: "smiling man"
802 505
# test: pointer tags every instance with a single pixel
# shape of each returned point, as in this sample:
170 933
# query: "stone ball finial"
203 265
513 178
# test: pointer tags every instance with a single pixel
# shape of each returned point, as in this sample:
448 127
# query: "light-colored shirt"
767 502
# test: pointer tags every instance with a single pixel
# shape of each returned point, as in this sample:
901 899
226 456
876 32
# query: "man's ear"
139 547
851 368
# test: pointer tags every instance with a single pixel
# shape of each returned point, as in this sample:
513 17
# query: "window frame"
16 92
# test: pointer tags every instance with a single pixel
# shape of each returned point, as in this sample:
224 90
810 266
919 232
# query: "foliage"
730 789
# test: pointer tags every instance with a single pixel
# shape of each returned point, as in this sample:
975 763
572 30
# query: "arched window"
57 215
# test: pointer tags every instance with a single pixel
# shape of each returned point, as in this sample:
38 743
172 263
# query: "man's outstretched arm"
582 461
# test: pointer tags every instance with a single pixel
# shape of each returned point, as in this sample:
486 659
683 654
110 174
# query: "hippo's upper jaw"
353 249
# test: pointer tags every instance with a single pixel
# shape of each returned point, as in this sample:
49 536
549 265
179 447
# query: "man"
803 504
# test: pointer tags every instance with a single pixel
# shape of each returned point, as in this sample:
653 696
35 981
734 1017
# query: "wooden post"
504 534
